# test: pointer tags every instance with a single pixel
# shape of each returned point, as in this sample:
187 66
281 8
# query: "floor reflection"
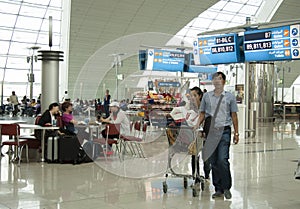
262 172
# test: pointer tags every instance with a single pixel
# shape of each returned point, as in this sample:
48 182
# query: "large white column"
261 81
50 76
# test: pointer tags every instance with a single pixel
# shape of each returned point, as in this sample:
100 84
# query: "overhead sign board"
273 44
165 60
168 84
219 49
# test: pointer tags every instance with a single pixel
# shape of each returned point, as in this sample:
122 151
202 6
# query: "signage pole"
116 65
282 85
246 89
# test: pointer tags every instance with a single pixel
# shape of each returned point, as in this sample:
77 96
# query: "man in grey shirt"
217 144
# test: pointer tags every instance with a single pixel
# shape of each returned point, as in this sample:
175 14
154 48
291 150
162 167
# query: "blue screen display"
272 44
219 49
165 60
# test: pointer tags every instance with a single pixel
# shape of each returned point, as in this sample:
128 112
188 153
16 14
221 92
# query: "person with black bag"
68 120
219 109
70 145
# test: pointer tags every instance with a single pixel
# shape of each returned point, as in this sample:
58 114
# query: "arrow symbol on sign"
295 42
294 31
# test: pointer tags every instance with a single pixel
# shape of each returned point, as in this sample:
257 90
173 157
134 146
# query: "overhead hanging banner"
273 44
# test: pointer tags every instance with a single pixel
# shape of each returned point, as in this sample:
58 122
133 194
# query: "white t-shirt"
123 120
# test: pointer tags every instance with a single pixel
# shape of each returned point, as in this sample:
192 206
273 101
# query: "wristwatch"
236 134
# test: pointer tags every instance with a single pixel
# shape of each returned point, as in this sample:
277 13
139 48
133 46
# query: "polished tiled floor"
262 172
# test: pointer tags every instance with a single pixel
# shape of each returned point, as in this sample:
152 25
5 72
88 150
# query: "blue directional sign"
168 84
295 42
272 44
218 49
165 60
295 31
295 52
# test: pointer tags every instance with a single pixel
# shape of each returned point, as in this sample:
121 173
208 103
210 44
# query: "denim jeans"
220 165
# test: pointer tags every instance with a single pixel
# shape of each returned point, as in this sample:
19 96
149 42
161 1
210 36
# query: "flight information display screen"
272 44
218 49
165 60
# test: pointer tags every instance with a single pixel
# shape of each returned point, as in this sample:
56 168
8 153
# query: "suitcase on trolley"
52 149
69 148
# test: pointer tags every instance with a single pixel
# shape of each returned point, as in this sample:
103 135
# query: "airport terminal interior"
148 55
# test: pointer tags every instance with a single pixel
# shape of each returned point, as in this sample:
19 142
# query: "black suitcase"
52 149
69 148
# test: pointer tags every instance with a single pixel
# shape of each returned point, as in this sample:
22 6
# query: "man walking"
221 106
15 103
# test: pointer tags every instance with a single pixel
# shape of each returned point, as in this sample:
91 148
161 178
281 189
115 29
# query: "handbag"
196 146
210 121
192 149
206 126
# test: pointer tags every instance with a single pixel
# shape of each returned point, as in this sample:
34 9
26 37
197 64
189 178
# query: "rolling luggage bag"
69 148
52 149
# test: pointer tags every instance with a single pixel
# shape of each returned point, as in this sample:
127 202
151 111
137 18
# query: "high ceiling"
95 23
101 28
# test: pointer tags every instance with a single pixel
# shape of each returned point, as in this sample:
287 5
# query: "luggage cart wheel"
195 192
165 187
185 182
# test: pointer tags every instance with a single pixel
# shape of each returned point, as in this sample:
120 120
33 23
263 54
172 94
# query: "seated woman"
117 116
68 119
69 123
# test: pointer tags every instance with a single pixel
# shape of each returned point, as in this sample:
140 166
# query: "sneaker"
217 194
227 194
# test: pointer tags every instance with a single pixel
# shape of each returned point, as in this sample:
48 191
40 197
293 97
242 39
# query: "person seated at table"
67 118
48 118
69 123
117 116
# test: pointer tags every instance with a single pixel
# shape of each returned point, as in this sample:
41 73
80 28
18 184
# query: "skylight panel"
7 20
32 11
29 23
24 37
250 10
9 8
5 34
232 7
4 47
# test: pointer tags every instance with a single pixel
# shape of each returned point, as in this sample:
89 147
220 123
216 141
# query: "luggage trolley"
179 138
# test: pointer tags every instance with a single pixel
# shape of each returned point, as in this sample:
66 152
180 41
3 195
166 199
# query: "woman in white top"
196 97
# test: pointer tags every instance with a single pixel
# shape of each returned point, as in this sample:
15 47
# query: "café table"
43 128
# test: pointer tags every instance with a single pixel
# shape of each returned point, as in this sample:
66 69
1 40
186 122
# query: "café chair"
14 130
133 142
105 142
